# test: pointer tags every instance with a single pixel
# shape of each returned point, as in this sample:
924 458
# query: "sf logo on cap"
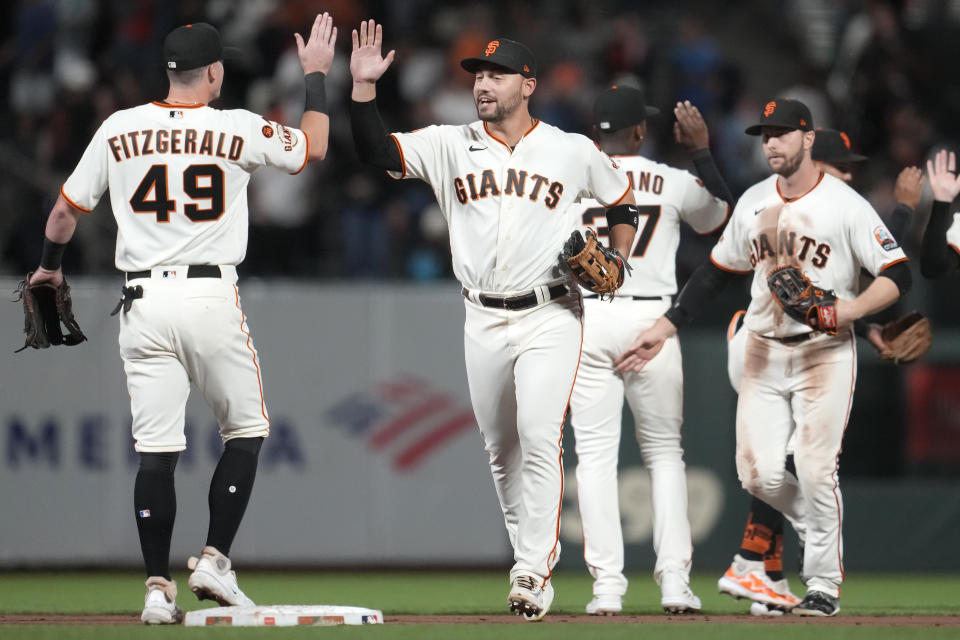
491 47
846 140
769 109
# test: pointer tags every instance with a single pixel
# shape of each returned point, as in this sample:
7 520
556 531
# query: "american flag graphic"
404 419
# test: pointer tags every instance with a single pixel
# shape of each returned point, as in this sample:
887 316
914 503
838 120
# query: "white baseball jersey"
509 211
829 233
665 196
953 233
178 180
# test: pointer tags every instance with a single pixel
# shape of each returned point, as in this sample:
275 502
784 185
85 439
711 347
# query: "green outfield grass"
452 592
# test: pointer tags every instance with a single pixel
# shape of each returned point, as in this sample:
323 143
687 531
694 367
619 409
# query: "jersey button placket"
504 235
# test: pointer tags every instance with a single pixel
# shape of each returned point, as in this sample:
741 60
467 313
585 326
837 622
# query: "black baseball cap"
619 107
195 45
506 53
789 114
833 146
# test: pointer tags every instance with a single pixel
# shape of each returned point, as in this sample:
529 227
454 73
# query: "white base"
282 616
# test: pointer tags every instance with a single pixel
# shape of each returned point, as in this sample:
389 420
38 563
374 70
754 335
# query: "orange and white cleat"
747 579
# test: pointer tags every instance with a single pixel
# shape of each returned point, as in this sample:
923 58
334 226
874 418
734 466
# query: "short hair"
186 77
620 136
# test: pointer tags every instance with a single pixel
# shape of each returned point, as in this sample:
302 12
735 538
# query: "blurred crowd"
882 71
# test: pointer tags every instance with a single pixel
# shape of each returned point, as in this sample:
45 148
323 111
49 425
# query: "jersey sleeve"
421 153
270 143
732 251
873 245
85 186
606 183
699 208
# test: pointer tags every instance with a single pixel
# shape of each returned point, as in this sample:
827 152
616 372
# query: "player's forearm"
709 173
936 259
899 219
704 285
315 122
881 293
621 238
374 145
316 126
62 222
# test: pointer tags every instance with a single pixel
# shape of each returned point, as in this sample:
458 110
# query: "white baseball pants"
803 390
655 397
521 366
183 330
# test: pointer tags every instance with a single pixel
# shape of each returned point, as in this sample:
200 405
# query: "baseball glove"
802 300
594 266
45 306
908 338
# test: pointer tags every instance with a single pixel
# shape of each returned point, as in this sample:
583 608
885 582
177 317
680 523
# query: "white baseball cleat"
160 603
677 597
747 579
605 605
782 589
529 599
212 579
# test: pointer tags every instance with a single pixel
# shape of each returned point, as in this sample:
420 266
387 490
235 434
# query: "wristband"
52 254
316 97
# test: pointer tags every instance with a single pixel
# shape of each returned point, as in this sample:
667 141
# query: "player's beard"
790 164
503 109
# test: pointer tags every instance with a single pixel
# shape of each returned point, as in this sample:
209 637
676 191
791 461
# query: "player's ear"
808 138
214 72
641 130
528 86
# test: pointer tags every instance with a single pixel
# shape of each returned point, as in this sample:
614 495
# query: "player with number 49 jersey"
178 179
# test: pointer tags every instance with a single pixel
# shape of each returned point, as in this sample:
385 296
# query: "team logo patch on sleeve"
884 239
267 131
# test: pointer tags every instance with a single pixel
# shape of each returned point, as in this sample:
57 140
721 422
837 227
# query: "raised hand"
944 181
690 129
909 187
317 53
366 63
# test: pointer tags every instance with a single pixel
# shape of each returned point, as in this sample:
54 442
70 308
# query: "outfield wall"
374 457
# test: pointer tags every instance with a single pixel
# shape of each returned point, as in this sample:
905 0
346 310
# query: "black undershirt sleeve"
703 286
710 175
937 257
374 145
898 221
900 274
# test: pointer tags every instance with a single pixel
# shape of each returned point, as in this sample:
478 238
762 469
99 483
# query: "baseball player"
665 196
756 572
941 240
177 170
796 379
506 184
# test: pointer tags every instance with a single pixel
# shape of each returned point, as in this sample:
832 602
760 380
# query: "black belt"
516 303
800 337
193 271
591 297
